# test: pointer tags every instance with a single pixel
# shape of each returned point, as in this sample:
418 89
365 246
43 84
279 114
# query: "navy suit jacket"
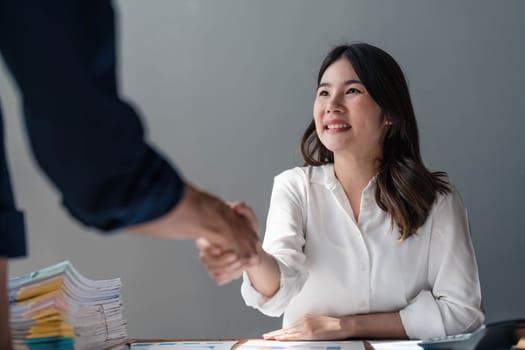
85 138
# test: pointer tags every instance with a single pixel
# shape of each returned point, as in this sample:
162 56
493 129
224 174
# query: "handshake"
225 265
226 235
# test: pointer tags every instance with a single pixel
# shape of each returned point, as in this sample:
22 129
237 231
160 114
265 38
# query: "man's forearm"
5 334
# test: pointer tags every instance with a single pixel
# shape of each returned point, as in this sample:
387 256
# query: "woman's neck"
355 172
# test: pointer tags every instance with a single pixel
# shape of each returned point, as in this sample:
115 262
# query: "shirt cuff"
151 198
290 284
12 234
422 318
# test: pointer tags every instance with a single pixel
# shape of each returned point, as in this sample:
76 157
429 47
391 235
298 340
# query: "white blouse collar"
325 175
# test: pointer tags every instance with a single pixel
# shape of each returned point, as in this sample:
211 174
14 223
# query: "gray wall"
226 88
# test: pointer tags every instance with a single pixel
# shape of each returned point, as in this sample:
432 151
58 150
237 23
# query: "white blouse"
332 265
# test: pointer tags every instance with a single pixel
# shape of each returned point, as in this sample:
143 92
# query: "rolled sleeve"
290 284
284 240
422 318
453 305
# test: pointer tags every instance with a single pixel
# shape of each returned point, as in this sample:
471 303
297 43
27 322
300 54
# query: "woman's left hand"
311 327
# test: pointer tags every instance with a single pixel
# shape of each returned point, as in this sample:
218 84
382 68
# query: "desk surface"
368 346
239 342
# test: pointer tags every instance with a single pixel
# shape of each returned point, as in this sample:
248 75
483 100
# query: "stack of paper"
58 308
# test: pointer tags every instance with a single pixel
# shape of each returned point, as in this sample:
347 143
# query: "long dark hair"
406 189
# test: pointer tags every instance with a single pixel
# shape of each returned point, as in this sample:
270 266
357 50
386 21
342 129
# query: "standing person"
90 143
364 241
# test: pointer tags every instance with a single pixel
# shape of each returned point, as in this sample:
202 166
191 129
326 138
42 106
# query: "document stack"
58 308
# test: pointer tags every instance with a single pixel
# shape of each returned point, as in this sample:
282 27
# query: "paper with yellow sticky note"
58 308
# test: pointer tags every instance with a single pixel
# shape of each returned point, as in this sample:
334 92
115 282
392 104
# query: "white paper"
396 345
308 345
184 345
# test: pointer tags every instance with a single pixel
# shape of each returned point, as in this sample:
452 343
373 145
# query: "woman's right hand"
224 266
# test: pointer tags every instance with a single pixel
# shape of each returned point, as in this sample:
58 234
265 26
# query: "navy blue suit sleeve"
12 233
87 140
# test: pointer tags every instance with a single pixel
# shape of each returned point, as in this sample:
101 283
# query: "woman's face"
346 117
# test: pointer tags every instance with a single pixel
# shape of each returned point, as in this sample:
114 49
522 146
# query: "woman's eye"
323 93
352 91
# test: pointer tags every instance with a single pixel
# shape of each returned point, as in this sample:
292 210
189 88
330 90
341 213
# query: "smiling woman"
363 241
364 87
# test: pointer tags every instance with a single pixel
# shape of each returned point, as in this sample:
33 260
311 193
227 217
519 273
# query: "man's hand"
201 214
311 327
5 332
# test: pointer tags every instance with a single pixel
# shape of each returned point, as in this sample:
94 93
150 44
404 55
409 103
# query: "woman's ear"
388 120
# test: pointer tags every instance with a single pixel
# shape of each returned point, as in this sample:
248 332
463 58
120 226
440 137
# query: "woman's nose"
334 106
